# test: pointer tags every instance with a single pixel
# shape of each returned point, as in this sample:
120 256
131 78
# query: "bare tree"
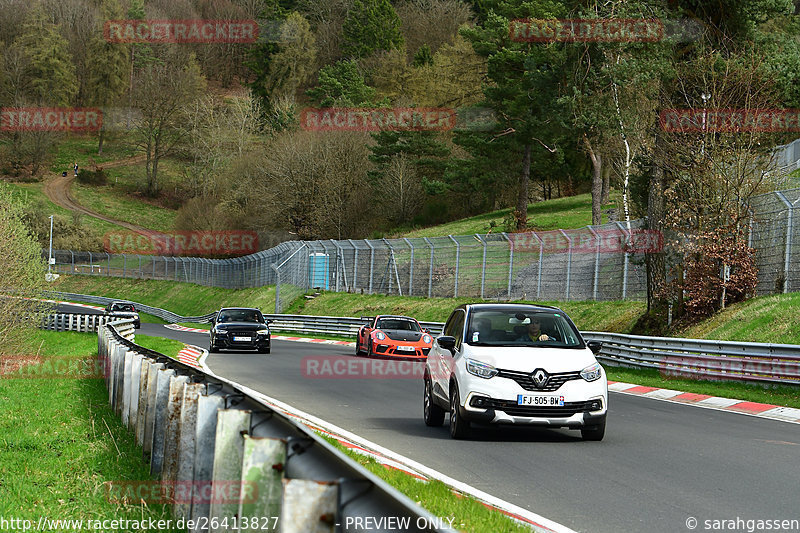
164 94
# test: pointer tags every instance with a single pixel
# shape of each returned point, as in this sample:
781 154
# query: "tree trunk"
522 196
655 262
606 185
597 182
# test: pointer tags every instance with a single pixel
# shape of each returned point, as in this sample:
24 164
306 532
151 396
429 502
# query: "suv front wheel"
595 433
433 414
459 428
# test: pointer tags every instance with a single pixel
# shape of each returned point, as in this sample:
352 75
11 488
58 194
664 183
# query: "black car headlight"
263 332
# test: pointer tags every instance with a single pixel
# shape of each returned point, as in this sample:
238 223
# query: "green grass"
161 345
468 514
32 193
108 200
82 148
772 318
618 317
787 396
570 212
60 442
186 299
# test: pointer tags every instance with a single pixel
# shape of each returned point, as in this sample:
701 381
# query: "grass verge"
61 442
168 347
186 299
618 317
570 212
468 514
786 396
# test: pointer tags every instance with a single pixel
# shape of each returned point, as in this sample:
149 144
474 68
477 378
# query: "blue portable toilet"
318 264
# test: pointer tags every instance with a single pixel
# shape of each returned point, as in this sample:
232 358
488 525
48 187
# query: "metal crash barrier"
206 436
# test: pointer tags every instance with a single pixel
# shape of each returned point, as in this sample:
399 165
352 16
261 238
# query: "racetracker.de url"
44 523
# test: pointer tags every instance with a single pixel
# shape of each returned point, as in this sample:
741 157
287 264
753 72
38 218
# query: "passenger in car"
534 332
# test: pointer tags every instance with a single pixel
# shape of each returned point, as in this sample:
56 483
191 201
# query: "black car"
123 310
240 328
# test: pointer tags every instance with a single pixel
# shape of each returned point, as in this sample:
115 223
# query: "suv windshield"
239 315
123 307
397 323
515 327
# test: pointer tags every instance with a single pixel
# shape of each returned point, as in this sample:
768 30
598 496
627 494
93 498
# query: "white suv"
514 364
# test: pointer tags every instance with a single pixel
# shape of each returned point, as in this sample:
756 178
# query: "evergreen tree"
371 25
111 67
423 56
342 84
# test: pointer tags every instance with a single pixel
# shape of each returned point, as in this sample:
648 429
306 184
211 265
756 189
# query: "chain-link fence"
775 232
592 263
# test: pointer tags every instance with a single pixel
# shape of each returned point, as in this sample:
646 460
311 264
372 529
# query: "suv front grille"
512 409
524 380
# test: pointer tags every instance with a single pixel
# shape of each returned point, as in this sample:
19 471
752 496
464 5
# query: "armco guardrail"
330 325
102 300
203 435
703 359
707 359
74 322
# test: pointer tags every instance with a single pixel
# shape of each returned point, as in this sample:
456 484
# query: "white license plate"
242 339
406 349
545 401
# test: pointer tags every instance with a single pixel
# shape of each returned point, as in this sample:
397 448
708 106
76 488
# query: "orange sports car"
392 336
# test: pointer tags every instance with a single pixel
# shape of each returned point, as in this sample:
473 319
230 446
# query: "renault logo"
540 378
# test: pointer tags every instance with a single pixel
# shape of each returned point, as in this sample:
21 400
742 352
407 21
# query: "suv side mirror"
447 342
595 346
270 321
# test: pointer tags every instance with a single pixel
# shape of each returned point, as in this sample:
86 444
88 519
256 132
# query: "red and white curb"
74 304
190 355
390 459
760 410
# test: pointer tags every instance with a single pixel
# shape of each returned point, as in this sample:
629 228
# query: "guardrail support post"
304 502
171 438
187 434
262 479
228 453
596 262
205 436
371 263
160 420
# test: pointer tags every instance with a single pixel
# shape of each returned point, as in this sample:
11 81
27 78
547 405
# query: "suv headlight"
426 339
220 331
380 335
263 332
592 373
482 370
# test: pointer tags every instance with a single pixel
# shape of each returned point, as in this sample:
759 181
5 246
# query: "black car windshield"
240 315
123 307
398 323
515 327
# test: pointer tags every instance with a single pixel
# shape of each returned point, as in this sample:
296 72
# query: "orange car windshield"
395 323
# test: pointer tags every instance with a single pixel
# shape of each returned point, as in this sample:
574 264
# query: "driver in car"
534 333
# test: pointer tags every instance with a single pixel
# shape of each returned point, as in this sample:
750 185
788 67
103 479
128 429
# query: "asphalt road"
659 464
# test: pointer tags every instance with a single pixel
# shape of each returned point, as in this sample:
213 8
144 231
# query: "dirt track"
57 190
